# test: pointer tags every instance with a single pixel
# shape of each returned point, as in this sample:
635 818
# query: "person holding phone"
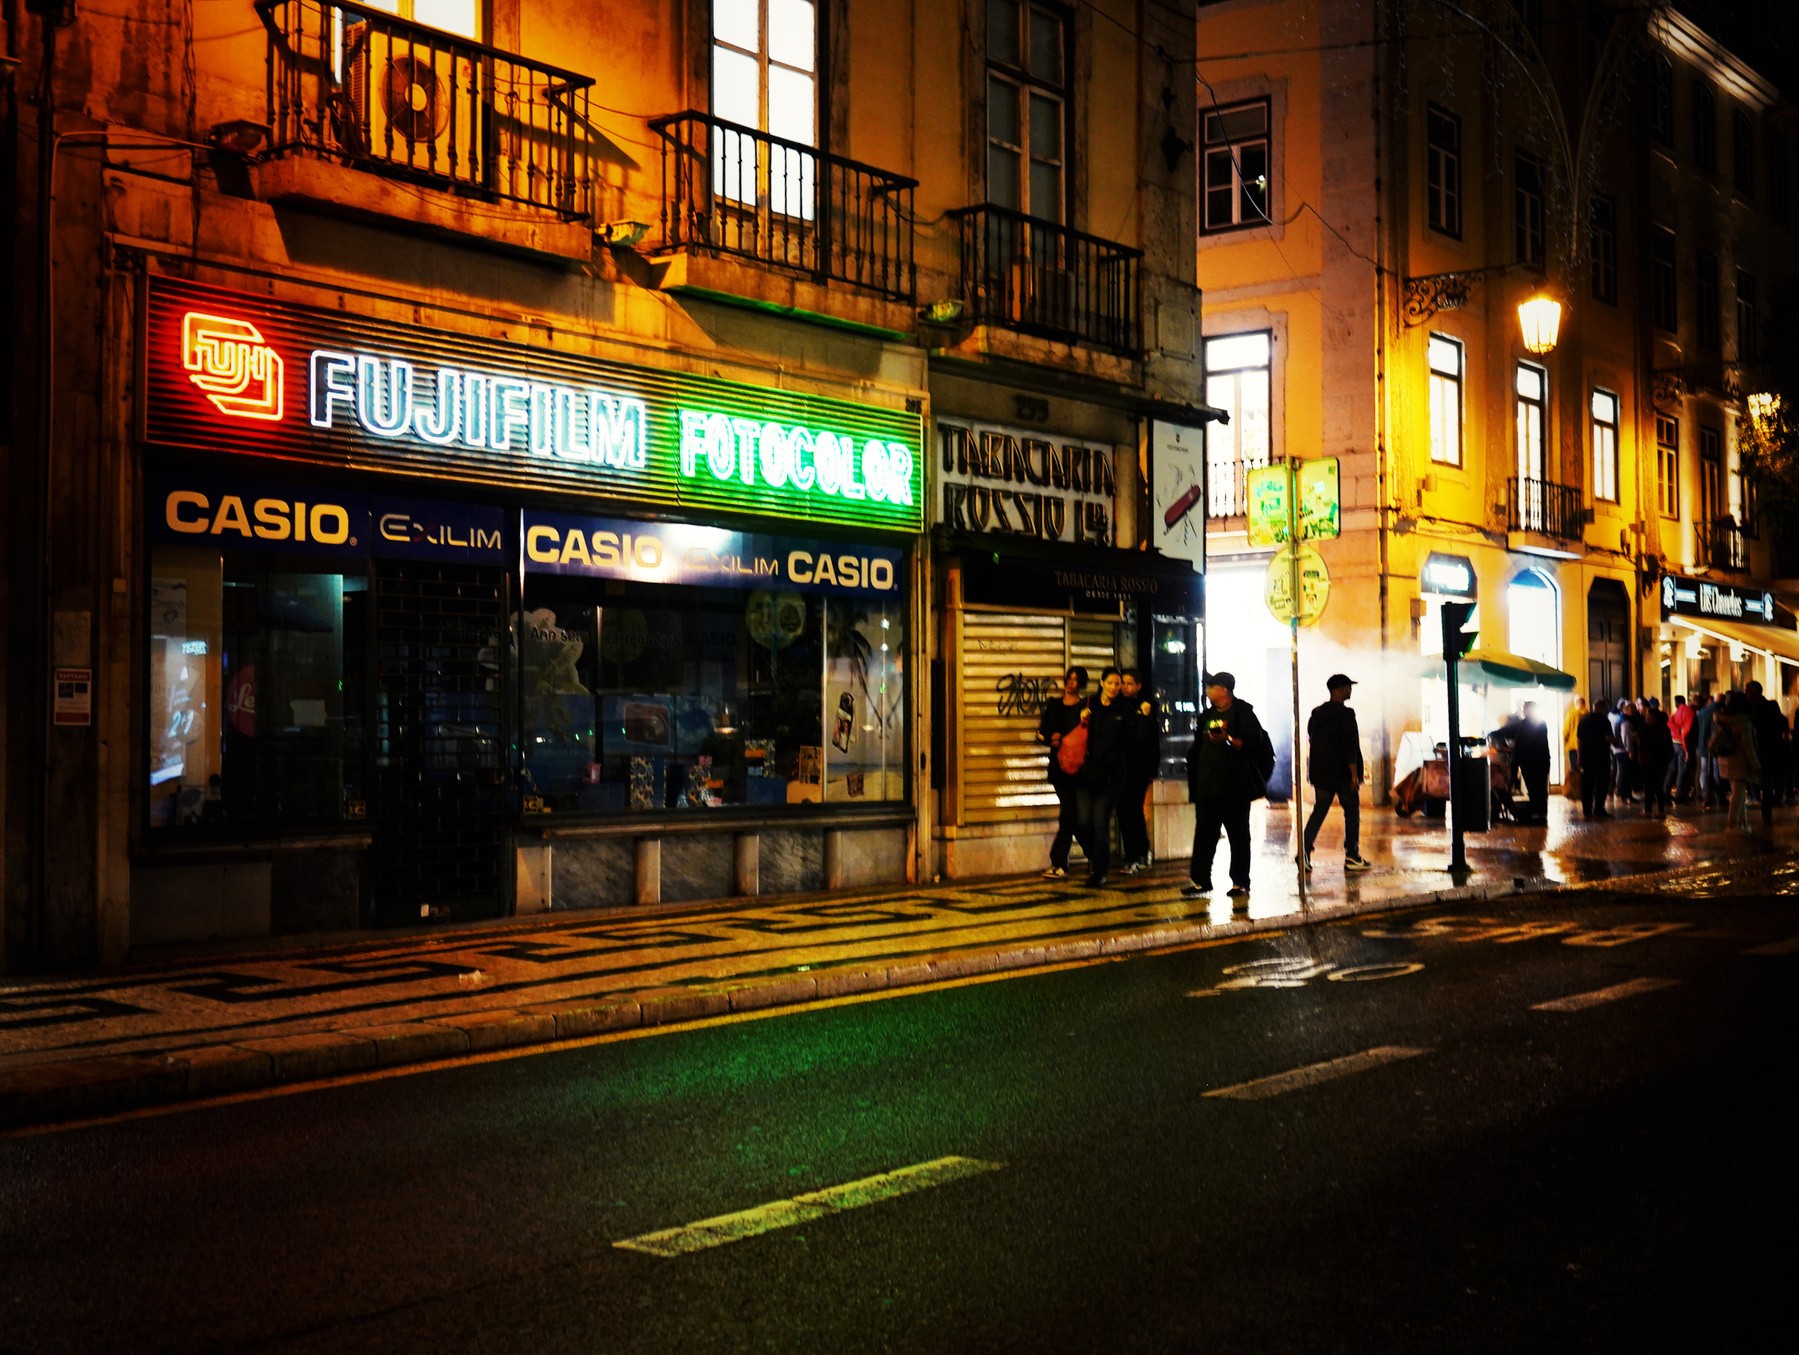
1101 778
1060 717
1227 771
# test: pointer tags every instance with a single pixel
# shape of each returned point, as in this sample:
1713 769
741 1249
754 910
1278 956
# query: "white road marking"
1786 947
715 1232
1313 1073
1579 1002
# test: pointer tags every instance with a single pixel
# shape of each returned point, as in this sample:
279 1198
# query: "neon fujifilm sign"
247 375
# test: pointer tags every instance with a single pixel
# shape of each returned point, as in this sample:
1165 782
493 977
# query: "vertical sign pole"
1299 799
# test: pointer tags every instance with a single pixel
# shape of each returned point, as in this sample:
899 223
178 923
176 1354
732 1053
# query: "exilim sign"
245 374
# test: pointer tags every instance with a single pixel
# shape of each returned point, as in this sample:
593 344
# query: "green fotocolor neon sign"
376 394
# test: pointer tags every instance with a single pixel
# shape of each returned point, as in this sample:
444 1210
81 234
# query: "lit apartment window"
1605 446
1603 220
1777 176
1527 203
1237 166
1661 99
1532 405
1445 171
1705 127
1747 346
1742 152
1445 400
1666 295
1237 380
1667 465
1705 287
765 77
1027 108
461 17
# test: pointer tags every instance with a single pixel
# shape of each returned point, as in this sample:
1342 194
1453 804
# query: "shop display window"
256 679
654 697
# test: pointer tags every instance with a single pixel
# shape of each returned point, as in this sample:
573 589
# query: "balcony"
1544 508
354 86
1722 545
730 192
1037 277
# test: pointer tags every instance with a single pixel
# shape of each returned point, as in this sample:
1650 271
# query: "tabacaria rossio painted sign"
240 373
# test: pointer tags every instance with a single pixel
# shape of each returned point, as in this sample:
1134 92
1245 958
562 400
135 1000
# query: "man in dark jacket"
1227 770
1770 725
1594 736
1101 777
1334 768
1530 755
1142 755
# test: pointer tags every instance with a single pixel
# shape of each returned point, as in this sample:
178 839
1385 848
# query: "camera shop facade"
1035 571
443 627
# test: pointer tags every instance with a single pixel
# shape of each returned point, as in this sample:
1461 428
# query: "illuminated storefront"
503 628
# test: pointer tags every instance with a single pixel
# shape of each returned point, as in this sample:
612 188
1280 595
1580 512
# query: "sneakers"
1055 873
1096 881
1239 891
1308 865
1195 891
1356 863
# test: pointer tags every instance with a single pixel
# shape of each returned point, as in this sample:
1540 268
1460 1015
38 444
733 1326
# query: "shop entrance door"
1608 640
438 803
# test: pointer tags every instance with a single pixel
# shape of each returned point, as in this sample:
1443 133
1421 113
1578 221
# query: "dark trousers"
1625 783
1774 780
1066 821
1595 776
1655 786
1133 828
1093 816
1210 813
1346 796
1536 790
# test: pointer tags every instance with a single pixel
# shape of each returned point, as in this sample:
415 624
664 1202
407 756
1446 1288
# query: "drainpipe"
39 689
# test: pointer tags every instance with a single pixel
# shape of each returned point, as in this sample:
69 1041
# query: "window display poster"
74 696
864 701
1177 458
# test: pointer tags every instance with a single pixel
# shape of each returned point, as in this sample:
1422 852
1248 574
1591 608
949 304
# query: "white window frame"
1222 155
1227 459
1532 421
1605 444
748 174
1446 427
1024 86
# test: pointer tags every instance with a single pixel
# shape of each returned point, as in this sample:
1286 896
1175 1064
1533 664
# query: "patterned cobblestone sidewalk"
82 1046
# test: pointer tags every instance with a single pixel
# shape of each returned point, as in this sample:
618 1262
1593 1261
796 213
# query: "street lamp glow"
1540 318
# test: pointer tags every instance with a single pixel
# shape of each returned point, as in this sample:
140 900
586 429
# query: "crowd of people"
1103 753
1718 753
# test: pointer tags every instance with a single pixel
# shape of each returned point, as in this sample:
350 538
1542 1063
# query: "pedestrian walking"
1733 745
1061 718
1680 725
1142 756
1593 738
1705 765
1227 770
1101 778
1626 724
1770 724
1655 754
1530 755
1334 769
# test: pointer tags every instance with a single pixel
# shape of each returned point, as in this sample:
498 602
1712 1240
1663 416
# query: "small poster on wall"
1177 458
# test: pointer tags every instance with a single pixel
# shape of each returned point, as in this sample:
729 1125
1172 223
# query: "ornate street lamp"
1539 318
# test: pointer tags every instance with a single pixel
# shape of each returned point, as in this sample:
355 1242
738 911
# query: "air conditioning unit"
412 103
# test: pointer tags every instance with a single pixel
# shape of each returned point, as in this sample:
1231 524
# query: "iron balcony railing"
1546 507
731 189
1024 273
1723 545
363 87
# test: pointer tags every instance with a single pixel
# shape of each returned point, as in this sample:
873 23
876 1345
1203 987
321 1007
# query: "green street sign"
1320 502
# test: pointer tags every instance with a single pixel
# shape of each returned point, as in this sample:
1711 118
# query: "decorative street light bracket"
1434 292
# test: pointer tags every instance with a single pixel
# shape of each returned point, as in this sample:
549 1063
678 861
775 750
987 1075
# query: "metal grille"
1543 506
1041 277
439 778
1011 664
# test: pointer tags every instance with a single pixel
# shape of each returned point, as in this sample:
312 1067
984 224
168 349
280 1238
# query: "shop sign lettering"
669 552
1019 483
247 375
1695 597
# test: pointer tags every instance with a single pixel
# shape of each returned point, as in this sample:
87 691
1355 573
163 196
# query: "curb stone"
44 1094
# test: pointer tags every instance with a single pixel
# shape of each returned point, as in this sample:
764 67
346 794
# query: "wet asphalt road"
1616 1177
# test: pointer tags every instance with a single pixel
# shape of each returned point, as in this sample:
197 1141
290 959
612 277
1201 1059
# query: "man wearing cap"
1334 768
1227 771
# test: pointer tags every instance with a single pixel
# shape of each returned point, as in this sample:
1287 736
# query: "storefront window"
256 690
1174 675
654 697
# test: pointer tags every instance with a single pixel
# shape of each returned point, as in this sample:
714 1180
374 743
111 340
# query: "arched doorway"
1533 609
1608 641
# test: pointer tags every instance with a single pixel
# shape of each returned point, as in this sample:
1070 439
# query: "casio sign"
194 514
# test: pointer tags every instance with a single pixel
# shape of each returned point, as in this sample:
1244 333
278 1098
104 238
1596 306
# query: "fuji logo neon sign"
232 366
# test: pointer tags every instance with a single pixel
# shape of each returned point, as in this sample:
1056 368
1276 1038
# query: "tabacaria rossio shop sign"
239 373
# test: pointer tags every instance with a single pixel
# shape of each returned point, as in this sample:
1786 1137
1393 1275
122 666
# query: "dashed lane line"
716 1232
1579 1002
1786 947
1313 1073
